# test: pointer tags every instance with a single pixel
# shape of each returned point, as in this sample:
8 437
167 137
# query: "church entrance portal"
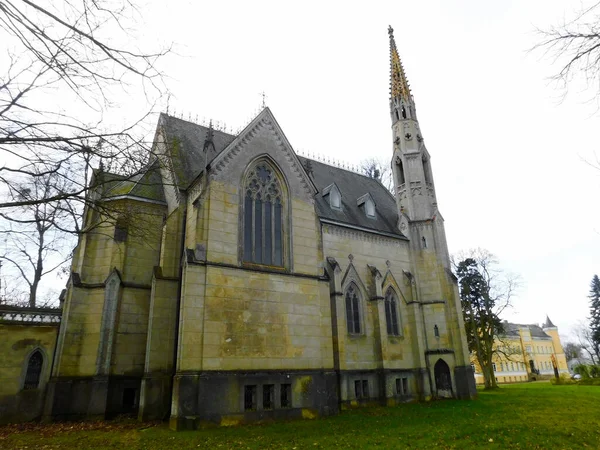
443 382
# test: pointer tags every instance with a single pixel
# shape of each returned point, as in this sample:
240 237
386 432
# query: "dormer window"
368 205
332 193
370 208
335 199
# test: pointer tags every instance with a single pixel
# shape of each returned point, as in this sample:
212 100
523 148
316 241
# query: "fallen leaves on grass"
52 429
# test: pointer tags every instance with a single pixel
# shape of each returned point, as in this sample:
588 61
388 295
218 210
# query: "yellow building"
27 343
236 281
527 353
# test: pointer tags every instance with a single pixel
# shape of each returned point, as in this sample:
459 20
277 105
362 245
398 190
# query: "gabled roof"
186 141
353 186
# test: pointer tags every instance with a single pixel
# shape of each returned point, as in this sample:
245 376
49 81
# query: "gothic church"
265 284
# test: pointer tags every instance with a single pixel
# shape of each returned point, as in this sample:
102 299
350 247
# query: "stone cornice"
359 233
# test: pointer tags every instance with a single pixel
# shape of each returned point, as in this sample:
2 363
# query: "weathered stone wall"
364 351
17 344
101 350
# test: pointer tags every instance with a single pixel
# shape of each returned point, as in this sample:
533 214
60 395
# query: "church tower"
435 286
420 219
415 193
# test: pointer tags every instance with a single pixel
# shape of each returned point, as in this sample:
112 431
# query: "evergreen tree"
481 323
595 314
485 291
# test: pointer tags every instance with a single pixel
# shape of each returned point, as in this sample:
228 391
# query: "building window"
528 348
250 398
368 204
286 396
494 366
436 331
120 231
129 395
391 313
263 217
34 371
370 208
352 309
335 198
268 391
423 242
402 386
361 389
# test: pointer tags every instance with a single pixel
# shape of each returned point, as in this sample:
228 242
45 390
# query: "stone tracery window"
352 309
391 313
263 221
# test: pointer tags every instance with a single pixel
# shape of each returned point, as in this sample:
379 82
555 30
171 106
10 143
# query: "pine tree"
595 314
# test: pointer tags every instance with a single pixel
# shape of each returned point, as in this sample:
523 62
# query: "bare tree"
35 242
485 292
575 47
374 168
584 340
572 350
64 72
65 65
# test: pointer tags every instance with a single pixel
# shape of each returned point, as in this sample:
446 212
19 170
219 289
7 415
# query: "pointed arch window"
34 371
353 309
263 221
391 313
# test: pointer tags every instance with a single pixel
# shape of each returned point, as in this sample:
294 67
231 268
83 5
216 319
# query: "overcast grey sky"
507 154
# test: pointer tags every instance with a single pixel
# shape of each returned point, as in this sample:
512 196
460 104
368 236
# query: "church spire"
399 87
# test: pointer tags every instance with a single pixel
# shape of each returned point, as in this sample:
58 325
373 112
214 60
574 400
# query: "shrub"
594 371
582 370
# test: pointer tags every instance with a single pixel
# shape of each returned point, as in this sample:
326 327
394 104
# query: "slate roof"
186 142
512 329
352 186
147 185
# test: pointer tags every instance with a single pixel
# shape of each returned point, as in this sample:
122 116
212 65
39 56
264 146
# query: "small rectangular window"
286 396
361 389
398 386
120 232
494 366
268 390
405 386
365 388
129 399
250 398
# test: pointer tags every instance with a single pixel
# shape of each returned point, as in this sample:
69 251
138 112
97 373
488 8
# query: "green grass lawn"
528 415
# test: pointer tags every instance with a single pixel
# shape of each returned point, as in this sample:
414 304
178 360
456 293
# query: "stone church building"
244 282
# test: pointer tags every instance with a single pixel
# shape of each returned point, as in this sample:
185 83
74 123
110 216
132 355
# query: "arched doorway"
443 382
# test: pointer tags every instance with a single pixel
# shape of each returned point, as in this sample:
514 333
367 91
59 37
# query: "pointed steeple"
399 87
548 323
